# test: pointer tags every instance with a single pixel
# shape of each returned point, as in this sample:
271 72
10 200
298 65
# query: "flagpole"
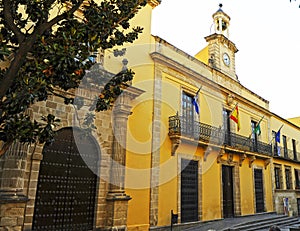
195 102
280 127
276 133
253 131
233 109
258 124
221 127
199 90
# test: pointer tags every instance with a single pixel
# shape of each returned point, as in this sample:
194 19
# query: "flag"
257 129
277 136
235 116
195 101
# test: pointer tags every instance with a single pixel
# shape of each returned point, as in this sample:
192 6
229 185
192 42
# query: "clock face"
226 59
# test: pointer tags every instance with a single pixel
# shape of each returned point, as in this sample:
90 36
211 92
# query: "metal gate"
189 190
66 190
259 190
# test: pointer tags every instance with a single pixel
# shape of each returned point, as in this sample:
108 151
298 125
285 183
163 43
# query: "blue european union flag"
277 136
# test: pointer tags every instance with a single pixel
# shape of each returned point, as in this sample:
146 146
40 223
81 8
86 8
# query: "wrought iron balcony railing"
286 153
218 136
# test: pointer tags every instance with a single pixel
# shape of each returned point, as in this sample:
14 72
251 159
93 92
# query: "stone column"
12 198
117 199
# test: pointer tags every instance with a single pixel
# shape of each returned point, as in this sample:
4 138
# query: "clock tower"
221 51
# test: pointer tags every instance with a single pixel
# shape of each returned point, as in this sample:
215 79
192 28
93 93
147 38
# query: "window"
285 151
297 178
187 122
277 171
226 124
294 149
288 179
276 151
254 135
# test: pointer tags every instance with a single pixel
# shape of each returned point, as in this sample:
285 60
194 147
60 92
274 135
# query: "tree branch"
63 15
10 21
26 44
126 18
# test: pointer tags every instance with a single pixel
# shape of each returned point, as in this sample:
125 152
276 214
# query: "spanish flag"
235 116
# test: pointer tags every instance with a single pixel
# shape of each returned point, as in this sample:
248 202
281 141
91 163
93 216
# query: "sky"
266 33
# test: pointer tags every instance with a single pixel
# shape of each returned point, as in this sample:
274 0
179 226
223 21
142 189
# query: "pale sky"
266 32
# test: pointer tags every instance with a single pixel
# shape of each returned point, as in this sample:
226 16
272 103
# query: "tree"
47 45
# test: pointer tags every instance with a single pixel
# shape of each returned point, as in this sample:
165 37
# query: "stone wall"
12 216
292 199
19 176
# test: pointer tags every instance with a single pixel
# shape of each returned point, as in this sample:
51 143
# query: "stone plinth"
117 206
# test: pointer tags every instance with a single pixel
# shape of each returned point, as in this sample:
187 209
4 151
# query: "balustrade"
215 135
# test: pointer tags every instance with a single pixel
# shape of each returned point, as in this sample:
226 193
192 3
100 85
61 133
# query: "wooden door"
227 183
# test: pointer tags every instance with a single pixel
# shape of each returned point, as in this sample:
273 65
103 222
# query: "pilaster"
156 142
117 199
12 198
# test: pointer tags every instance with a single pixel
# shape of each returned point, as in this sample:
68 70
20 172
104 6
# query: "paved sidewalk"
224 224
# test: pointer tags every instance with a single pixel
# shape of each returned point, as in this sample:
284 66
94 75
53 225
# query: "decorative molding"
267 162
230 158
222 39
175 142
221 154
206 153
154 3
229 100
251 160
242 158
210 83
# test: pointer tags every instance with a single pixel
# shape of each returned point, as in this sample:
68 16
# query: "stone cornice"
164 60
222 39
154 3
221 13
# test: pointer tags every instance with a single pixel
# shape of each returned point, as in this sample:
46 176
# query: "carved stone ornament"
175 142
230 99
267 162
221 153
230 158
251 160
207 152
154 3
242 158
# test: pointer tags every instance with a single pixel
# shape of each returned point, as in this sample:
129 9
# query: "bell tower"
221 22
221 51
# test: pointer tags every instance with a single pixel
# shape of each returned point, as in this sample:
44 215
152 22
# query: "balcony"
196 131
285 153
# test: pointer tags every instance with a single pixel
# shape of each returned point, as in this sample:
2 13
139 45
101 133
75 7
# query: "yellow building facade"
185 141
200 166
